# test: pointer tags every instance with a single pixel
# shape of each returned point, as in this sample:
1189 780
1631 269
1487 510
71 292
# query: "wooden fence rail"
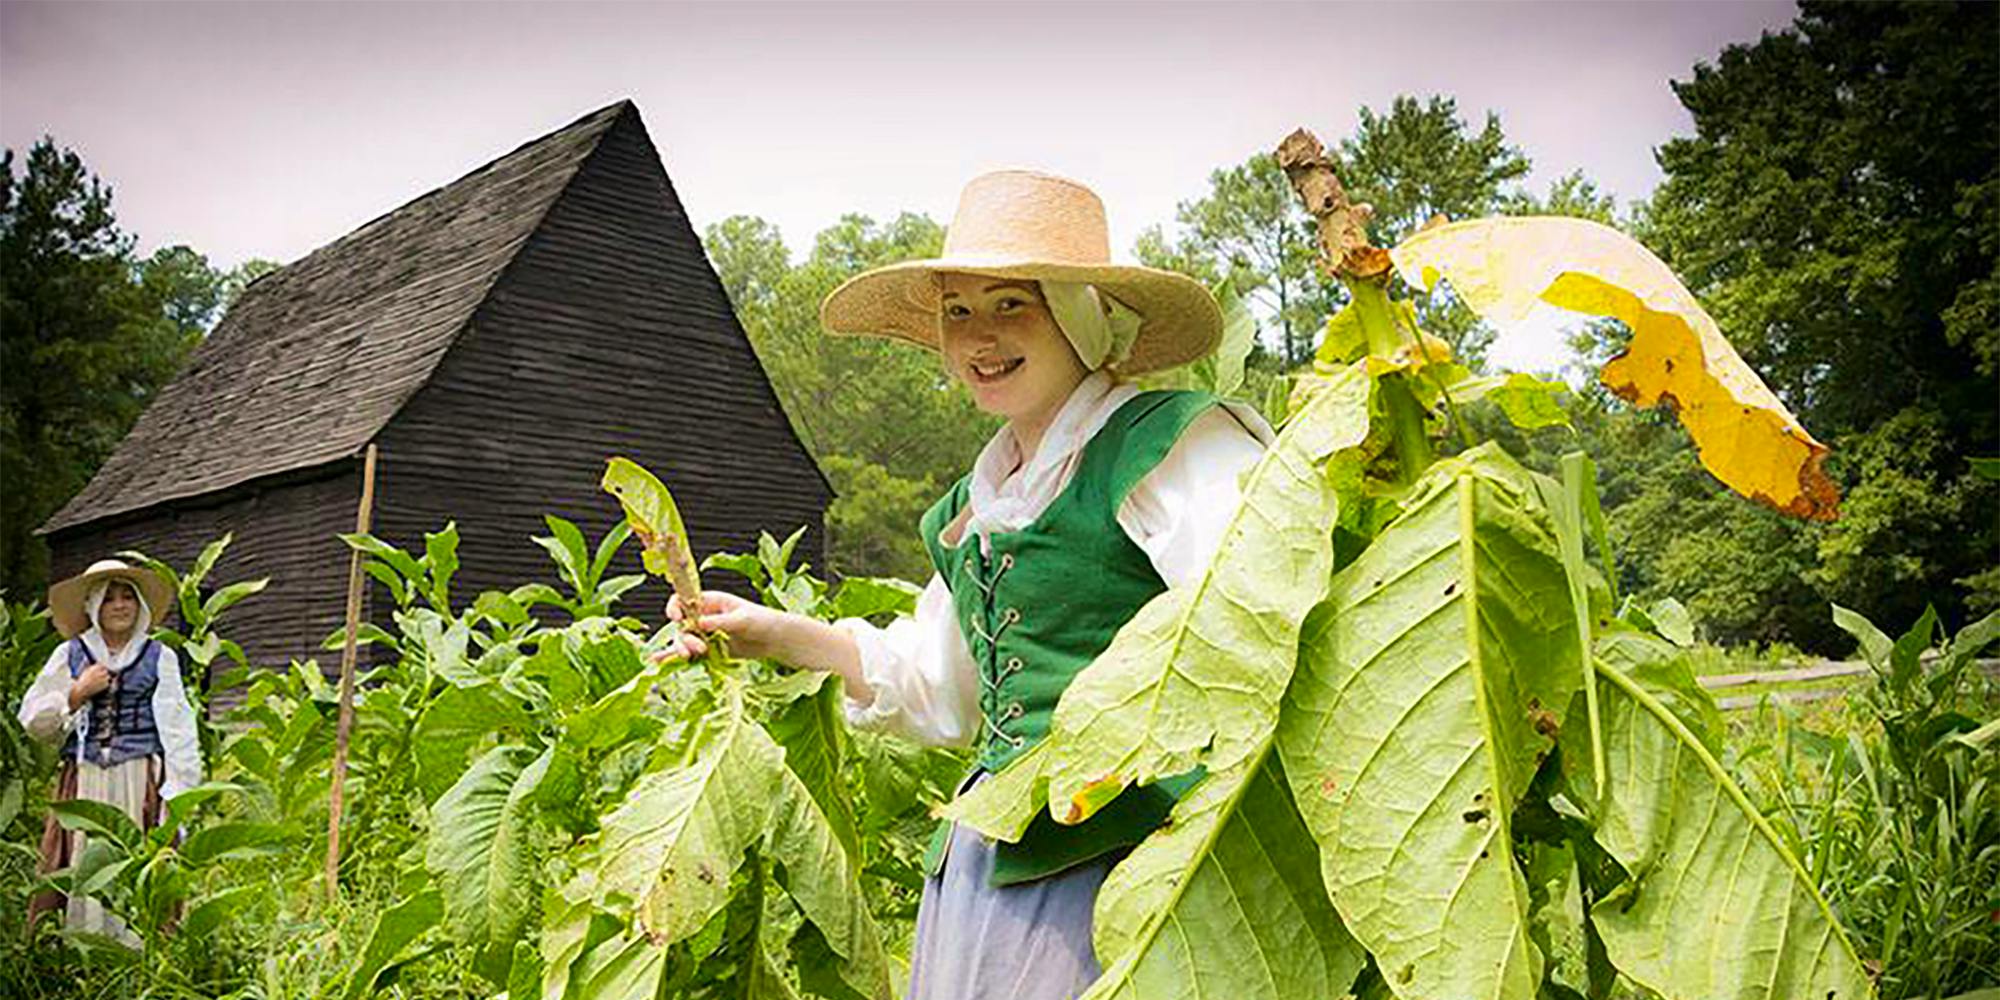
1818 670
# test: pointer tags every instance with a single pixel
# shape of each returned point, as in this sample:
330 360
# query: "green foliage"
26 639
1912 523
580 567
495 760
1896 817
1237 864
652 515
1472 610
883 473
1859 277
1421 160
394 931
1250 221
88 332
1715 909
871 527
579 793
148 881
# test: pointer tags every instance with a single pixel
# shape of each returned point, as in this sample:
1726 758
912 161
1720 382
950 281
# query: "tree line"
1837 209
89 330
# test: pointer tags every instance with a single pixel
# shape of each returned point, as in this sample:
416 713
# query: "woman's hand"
766 633
94 679
754 630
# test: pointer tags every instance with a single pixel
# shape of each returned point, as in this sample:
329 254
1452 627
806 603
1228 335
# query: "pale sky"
268 129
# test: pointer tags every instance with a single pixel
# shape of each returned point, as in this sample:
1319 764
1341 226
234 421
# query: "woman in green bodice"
1092 499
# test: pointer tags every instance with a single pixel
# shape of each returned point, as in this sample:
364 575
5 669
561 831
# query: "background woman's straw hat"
66 598
1034 226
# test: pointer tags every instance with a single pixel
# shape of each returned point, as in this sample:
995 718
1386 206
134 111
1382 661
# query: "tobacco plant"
736 853
604 822
1438 765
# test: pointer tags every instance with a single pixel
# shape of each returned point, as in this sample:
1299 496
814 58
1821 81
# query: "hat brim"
1180 320
66 598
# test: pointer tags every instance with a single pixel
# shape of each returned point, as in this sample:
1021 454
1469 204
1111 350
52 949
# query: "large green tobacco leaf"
1429 686
620 966
810 730
1225 902
482 855
1196 677
454 723
824 879
394 931
671 848
1716 908
814 837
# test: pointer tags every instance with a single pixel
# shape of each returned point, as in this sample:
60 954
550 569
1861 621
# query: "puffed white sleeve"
926 685
173 715
1178 513
45 710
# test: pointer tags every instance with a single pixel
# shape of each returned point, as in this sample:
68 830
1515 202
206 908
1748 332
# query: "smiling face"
120 610
1000 340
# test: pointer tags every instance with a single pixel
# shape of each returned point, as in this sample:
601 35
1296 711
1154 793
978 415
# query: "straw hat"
66 598
1029 225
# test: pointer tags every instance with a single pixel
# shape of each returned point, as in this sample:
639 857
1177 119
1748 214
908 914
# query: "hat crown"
1029 216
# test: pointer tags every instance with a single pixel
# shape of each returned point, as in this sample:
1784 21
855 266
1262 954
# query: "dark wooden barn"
496 338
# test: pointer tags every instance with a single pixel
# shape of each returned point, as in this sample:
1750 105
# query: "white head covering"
93 638
1100 327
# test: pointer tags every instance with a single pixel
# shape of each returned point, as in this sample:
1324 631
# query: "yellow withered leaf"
1746 437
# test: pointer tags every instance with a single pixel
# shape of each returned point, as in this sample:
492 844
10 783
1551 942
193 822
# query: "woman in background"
114 699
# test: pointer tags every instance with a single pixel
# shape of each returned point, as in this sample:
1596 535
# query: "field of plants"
1442 755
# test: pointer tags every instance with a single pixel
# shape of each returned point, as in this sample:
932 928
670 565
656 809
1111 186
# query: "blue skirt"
1029 941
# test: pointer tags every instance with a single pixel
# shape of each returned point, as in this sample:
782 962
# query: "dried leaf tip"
1343 224
650 509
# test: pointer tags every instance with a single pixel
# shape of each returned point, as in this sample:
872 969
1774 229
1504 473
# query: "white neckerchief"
93 637
1006 496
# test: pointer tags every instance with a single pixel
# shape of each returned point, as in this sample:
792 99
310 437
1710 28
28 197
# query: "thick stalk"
1345 253
1406 415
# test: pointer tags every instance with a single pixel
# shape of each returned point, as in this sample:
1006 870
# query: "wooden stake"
346 723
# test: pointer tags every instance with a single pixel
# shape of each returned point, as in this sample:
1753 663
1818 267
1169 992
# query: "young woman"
113 698
1091 500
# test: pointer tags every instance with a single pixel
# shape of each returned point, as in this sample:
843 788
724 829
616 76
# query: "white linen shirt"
925 681
46 716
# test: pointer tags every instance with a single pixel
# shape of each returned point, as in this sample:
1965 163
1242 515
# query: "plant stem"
1346 254
1406 416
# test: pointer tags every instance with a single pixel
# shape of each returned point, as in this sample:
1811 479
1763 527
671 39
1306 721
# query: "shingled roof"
315 358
